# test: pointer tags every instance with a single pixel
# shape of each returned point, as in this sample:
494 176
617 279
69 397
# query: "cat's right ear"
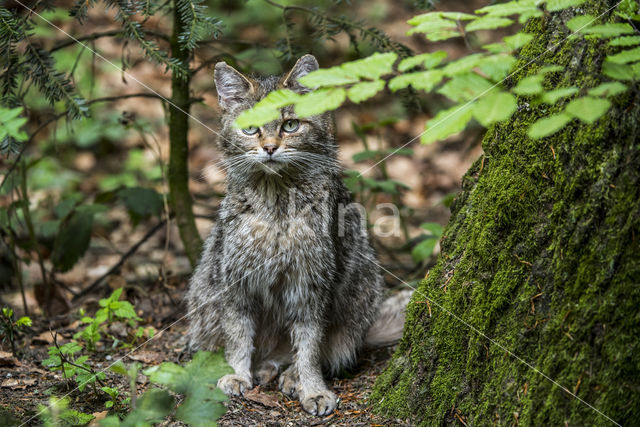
233 88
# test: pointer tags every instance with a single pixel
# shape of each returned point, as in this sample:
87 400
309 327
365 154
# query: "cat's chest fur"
278 239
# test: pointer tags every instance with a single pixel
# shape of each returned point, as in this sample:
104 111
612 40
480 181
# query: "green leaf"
424 249
72 241
334 76
550 69
400 151
423 80
494 107
152 407
496 66
11 122
548 125
497 48
626 56
202 410
608 89
372 67
126 311
462 65
530 85
267 109
552 96
23 321
365 155
488 23
118 368
364 90
204 369
625 41
429 18
556 5
580 22
427 60
432 227
446 123
319 101
71 417
609 30
141 202
618 71
525 9
457 16
517 40
437 36
588 109
436 26
465 87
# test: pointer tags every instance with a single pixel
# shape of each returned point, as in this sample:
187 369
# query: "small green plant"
114 398
57 413
68 358
196 381
423 250
11 327
65 358
112 310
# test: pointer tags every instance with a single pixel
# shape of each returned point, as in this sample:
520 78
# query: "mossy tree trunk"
179 195
542 256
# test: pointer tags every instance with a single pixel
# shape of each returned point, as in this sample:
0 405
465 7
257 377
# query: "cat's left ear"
233 88
304 66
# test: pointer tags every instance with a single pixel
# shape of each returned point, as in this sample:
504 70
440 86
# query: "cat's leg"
239 330
313 393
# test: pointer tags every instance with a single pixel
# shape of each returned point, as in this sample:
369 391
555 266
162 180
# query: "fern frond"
197 26
80 9
125 10
54 85
12 30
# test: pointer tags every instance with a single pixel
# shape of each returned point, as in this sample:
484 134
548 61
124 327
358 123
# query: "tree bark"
179 195
542 257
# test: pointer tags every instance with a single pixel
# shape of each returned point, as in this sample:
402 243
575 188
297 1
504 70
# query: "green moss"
542 256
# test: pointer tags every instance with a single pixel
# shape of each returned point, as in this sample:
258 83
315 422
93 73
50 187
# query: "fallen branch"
119 264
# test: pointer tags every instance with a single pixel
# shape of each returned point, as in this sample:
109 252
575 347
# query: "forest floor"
25 384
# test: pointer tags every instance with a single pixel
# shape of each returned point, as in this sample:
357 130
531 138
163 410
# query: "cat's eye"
290 125
251 130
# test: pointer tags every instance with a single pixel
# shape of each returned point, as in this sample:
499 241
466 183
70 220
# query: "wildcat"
288 278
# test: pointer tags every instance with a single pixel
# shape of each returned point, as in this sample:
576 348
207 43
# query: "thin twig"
90 37
119 264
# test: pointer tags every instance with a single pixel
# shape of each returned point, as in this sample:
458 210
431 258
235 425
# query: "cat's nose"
270 148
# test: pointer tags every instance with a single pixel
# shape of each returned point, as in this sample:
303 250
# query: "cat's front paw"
288 382
233 385
320 404
265 373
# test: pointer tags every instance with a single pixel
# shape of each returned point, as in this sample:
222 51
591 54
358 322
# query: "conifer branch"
330 25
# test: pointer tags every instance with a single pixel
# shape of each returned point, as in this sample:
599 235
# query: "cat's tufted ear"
233 88
304 66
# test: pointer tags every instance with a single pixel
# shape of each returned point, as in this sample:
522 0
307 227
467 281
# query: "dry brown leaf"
44 338
7 359
267 400
10 382
147 357
98 416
